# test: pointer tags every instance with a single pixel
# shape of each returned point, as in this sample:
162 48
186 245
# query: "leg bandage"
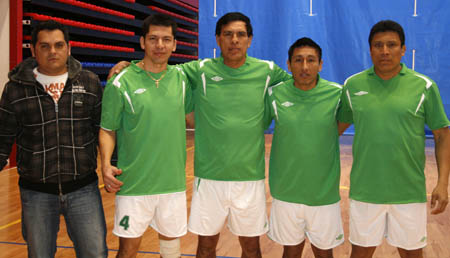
170 248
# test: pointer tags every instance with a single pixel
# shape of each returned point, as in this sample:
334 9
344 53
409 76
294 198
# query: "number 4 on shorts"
124 222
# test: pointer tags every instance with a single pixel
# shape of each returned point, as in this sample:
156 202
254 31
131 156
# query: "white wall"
4 43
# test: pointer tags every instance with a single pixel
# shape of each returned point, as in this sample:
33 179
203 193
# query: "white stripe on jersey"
335 85
275 109
184 91
351 77
180 69
129 101
420 103
202 63
106 129
429 83
270 63
204 83
267 85
270 89
116 80
337 107
349 100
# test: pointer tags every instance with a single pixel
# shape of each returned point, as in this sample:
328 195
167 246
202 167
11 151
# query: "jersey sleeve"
188 101
435 116
345 112
191 69
112 106
278 75
268 109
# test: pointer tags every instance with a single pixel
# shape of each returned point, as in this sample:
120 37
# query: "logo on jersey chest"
217 78
139 91
360 93
287 104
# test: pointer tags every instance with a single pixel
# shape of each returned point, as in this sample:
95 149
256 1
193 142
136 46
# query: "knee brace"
170 248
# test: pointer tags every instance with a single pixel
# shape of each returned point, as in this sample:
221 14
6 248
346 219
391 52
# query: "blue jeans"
82 211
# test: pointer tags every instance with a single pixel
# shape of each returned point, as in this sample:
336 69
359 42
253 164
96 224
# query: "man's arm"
439 197
97 110
190 121
117 68
342 127
345 112
8 127
268 110
278 75
107 143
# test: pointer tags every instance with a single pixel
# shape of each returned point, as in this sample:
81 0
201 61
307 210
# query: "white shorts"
242 202
165 213
290 223
403 225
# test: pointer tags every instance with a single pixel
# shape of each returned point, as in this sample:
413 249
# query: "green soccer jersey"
150 129
304 160
389 144
229 111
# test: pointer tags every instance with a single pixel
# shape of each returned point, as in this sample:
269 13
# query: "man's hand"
112 185
117 68
190 121
439 199
442 152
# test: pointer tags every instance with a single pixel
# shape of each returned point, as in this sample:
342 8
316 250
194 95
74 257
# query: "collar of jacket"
23 72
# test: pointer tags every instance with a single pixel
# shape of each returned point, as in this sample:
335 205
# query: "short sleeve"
268 109
112 106
345 112
435 116
278 75
191 70
188 101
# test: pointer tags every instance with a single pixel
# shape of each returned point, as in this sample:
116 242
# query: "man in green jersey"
144 107
304 161
390 105
228 95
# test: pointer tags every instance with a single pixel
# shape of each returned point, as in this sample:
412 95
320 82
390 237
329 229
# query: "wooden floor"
12 244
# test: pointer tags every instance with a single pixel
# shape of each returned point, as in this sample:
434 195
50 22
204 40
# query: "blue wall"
341 28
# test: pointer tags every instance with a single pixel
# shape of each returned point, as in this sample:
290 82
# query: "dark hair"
231 17
387 25
49 25
305 42
158 20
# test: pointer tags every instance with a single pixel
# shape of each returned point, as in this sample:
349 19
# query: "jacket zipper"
58 154
57 139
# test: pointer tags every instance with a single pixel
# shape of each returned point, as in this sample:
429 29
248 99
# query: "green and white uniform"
229 111
150 129
304 160
229 144
388 148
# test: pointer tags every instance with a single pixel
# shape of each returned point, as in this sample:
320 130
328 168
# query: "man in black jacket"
51 108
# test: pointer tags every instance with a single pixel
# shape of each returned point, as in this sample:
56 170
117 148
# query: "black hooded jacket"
56 142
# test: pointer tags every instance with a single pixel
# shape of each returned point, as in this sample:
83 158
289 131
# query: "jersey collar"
303 92
246 63
403 71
